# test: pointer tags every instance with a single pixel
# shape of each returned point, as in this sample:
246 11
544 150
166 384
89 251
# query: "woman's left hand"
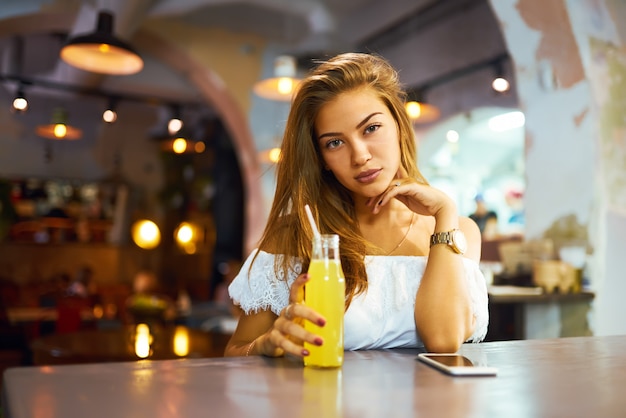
420 198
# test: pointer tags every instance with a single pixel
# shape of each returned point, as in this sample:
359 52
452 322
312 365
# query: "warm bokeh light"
421 112
414 109
98 311
285 85
181 341
274 155
60 130
199 147
143 340
179 145
146 234
185 233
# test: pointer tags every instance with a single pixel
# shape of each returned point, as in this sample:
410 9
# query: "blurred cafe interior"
110 216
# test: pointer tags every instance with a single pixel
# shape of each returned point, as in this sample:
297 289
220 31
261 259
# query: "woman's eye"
333 143
372 128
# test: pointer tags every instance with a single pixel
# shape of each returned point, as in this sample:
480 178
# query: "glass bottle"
325 293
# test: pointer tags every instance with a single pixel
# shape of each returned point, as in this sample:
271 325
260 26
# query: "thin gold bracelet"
250 347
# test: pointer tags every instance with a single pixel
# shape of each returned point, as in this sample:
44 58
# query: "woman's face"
358 138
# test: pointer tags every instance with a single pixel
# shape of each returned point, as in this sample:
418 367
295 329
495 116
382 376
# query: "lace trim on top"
262 289
380 318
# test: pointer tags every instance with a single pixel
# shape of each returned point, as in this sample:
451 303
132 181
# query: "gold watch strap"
441 238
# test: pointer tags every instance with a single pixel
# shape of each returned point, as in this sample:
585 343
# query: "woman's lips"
368 176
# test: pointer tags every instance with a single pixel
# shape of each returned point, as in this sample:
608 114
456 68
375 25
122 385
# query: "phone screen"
452 360
456 364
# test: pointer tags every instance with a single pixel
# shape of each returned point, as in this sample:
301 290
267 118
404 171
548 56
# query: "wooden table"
567 377
124 344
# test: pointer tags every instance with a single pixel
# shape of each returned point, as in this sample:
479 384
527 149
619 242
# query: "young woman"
410 261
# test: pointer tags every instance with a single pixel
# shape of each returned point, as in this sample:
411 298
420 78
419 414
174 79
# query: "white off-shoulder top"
381 317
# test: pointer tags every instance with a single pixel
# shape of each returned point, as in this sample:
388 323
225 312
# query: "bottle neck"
326 247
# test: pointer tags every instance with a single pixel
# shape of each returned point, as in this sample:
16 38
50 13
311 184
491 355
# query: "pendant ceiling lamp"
101 52
282 86
58 127
419 111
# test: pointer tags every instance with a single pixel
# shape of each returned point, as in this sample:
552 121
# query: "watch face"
459 241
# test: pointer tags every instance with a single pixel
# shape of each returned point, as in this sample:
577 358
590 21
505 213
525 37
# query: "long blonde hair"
302 179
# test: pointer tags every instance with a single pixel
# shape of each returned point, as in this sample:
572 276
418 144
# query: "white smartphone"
455 364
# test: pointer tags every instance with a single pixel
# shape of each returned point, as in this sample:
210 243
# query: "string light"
20 104
110 114
500 84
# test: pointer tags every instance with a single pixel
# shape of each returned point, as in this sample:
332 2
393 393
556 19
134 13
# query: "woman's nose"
360 153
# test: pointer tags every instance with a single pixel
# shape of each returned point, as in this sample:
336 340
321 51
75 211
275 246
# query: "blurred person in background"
485 218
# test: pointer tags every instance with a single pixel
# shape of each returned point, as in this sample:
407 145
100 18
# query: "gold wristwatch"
454 239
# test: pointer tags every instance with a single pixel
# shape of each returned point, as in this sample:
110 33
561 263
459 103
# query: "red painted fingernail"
305 352
321 322
318 341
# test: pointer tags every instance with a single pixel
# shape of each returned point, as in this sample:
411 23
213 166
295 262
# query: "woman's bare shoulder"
473 237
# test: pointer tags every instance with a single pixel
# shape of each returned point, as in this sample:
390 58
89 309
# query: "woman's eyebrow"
359 125
364 121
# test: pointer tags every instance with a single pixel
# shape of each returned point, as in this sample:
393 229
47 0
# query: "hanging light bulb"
418 110
110 114
270 156
146 234
101 52
282 86
187 236
179 145
500 84
175 124
20 104
58 128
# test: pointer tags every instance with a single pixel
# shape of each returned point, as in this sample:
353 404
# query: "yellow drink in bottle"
325 293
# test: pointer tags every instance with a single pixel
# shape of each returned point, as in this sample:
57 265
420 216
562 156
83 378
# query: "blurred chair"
69 314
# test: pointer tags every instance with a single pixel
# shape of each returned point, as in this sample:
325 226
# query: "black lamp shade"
101 52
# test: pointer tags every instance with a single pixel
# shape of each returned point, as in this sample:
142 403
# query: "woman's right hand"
287 335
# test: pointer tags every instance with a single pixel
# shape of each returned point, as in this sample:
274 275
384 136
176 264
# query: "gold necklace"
405 235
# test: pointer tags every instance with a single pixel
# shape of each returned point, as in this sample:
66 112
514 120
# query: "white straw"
309 215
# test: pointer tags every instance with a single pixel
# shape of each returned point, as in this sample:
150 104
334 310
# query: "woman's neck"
388 214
